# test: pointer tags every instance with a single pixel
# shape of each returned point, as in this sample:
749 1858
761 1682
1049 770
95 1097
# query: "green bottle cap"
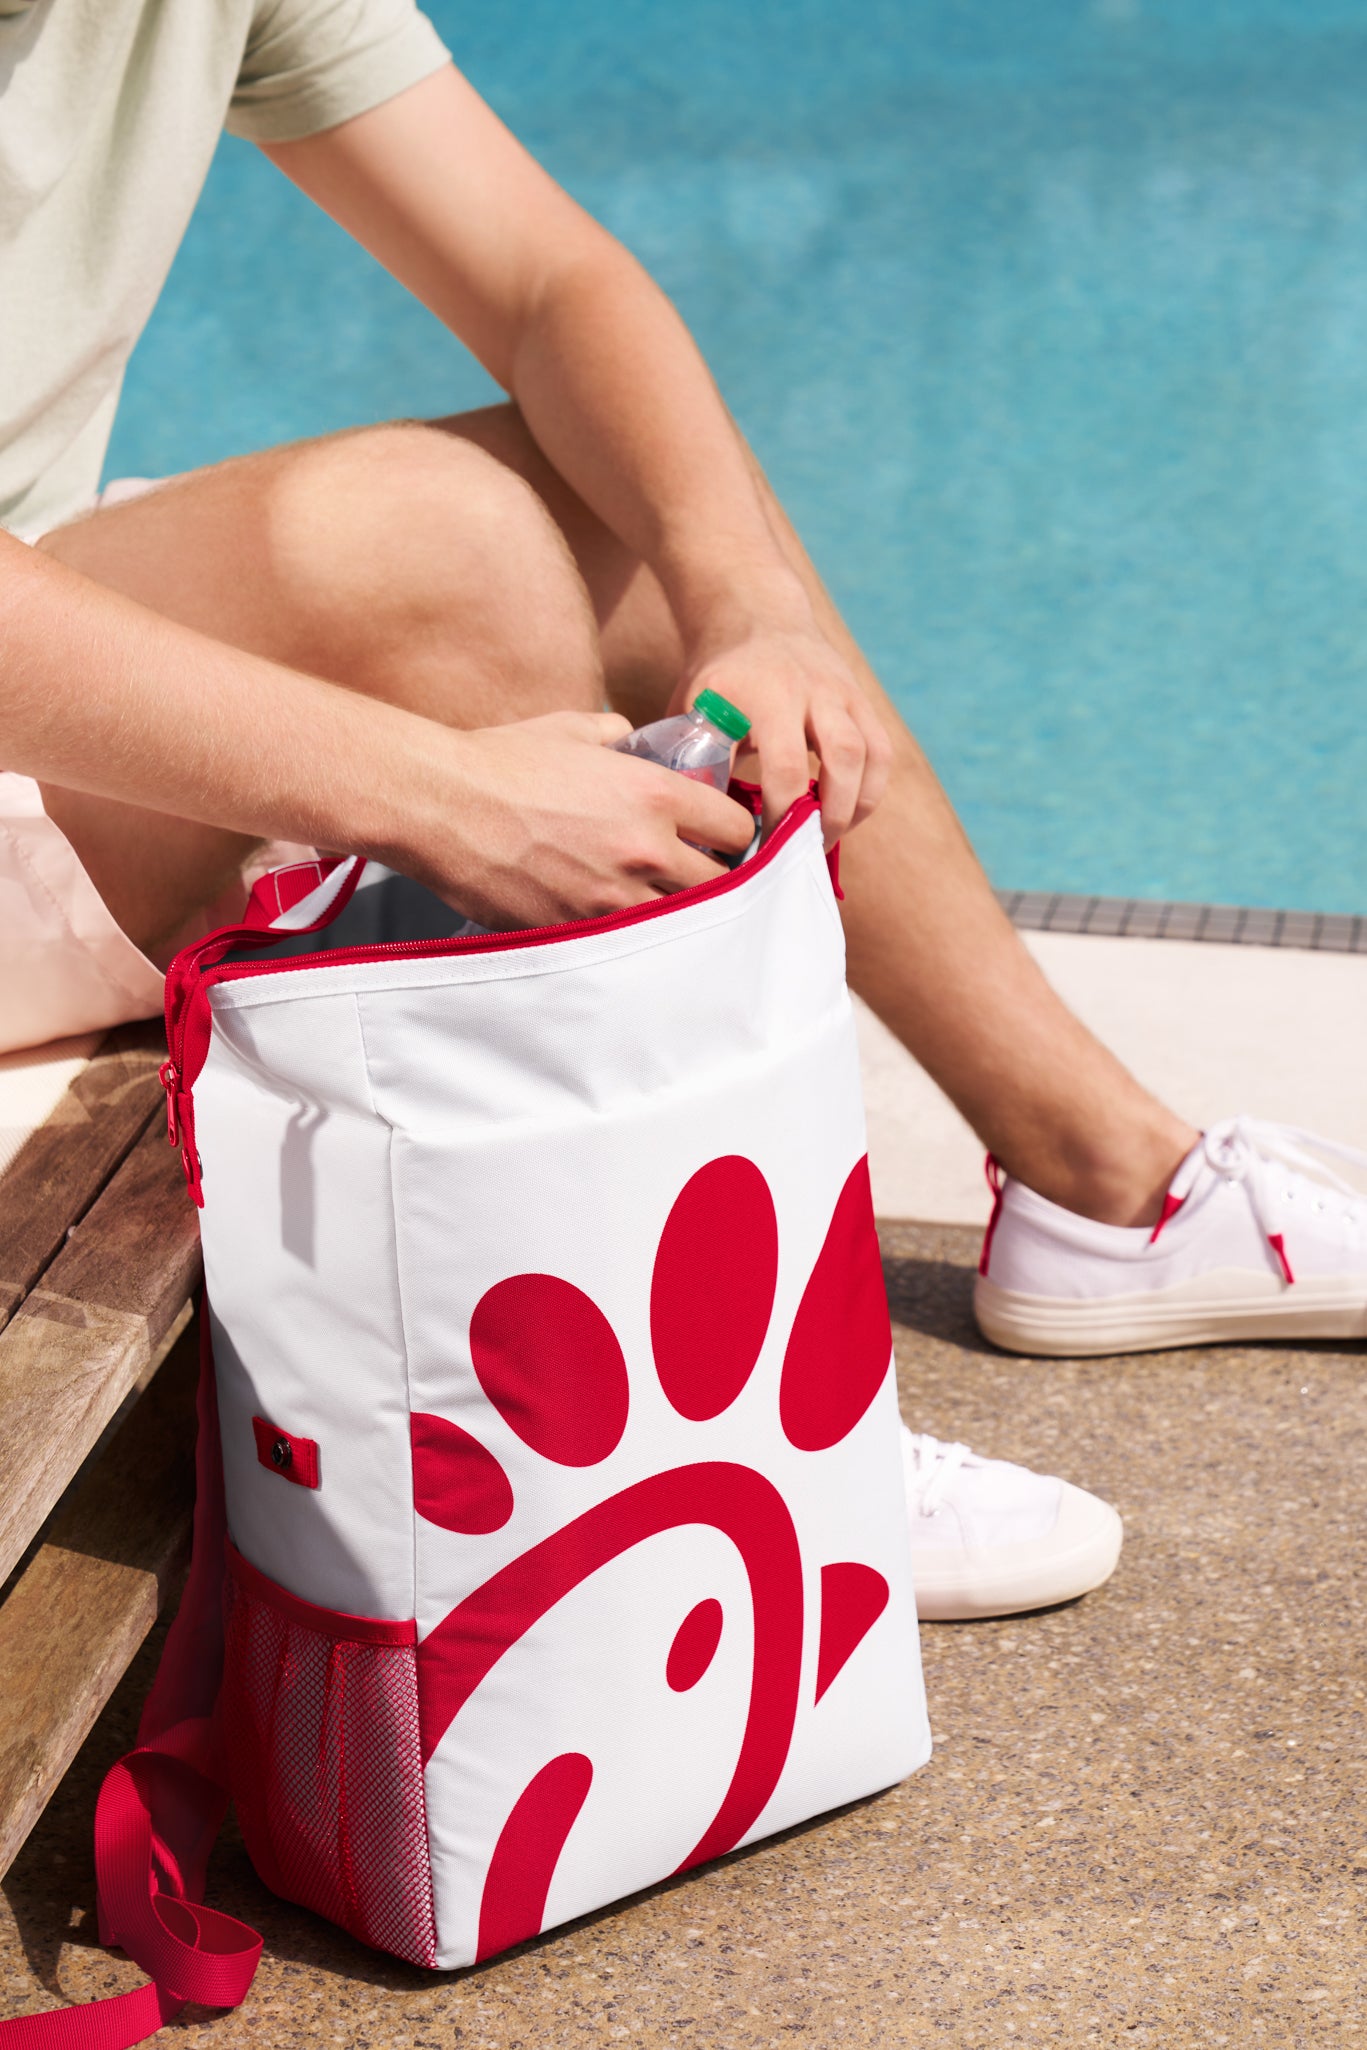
722 713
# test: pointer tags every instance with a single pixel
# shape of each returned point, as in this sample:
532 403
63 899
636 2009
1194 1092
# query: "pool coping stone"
1150 919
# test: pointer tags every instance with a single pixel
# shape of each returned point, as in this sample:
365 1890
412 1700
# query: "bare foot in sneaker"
1255 1238
991 1539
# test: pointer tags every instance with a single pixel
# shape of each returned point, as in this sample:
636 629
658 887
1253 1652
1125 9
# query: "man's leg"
407 564
929 947
395 561
419 568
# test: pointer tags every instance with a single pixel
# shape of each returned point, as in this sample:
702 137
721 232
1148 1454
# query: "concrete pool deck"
1277 1031
1144 1821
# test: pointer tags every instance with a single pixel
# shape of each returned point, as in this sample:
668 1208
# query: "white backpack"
566 1543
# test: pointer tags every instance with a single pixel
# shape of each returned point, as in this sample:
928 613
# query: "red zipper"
195 971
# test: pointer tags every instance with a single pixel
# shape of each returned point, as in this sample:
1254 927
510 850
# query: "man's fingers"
600 729
877 760
784 771
604 728
688 867
842 750
708 817
669 874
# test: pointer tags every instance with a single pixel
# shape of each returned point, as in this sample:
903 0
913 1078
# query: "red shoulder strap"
160 1809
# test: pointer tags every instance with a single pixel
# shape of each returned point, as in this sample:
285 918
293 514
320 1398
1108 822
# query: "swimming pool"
1050 325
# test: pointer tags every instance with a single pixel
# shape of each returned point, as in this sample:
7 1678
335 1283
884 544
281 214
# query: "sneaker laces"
1245 1149
931 1470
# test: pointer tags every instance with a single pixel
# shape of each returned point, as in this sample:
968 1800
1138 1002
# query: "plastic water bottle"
698 744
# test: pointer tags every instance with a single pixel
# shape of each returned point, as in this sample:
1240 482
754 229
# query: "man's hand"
542 822
799 695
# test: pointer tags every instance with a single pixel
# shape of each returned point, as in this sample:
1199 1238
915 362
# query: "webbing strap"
191 1952
113 2024
196 1952
159 1811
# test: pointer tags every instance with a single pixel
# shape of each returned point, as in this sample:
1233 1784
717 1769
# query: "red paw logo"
552 1367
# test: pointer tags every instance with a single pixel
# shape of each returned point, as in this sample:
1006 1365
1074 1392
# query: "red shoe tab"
294 1459
996 1181
1171 1205
1278 1245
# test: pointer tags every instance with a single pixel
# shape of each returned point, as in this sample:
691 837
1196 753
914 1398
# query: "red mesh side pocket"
320 1723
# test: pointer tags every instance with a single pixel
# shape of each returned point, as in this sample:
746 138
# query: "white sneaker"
990 1539
1256 1240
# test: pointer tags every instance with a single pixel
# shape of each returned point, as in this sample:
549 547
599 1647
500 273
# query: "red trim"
1278 1245
294 1459
996 1181
334 1623
189 1021
1171 1205
833 865
528 936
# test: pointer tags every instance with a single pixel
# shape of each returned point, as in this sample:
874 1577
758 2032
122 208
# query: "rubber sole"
1222 1308
959 1586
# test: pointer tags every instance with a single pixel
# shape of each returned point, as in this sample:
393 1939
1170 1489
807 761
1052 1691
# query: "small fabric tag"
282 888
294 1459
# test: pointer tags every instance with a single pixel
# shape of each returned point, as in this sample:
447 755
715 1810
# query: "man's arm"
99 694
617 395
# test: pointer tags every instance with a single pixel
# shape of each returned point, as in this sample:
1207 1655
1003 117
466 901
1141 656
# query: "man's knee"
436 552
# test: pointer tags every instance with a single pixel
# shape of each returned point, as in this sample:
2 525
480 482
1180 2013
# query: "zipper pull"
169 1079
180 1131
194 1181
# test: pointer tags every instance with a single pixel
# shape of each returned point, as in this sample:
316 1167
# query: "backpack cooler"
557 1541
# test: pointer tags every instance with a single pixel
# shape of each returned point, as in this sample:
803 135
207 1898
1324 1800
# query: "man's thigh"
400 561
642 651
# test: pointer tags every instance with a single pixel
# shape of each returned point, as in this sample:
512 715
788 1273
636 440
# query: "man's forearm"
98 694
534 822
616 393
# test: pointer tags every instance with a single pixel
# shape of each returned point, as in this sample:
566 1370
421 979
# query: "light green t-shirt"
109 114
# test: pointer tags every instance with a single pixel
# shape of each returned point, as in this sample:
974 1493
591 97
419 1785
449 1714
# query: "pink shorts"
66 965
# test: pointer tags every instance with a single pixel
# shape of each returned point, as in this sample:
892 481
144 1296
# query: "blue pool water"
1049 323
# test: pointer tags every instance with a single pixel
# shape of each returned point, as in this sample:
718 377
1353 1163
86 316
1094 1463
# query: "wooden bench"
99 1258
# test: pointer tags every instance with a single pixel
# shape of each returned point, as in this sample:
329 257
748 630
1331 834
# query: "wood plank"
78 1342
62 1167
97 1450
92 1591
